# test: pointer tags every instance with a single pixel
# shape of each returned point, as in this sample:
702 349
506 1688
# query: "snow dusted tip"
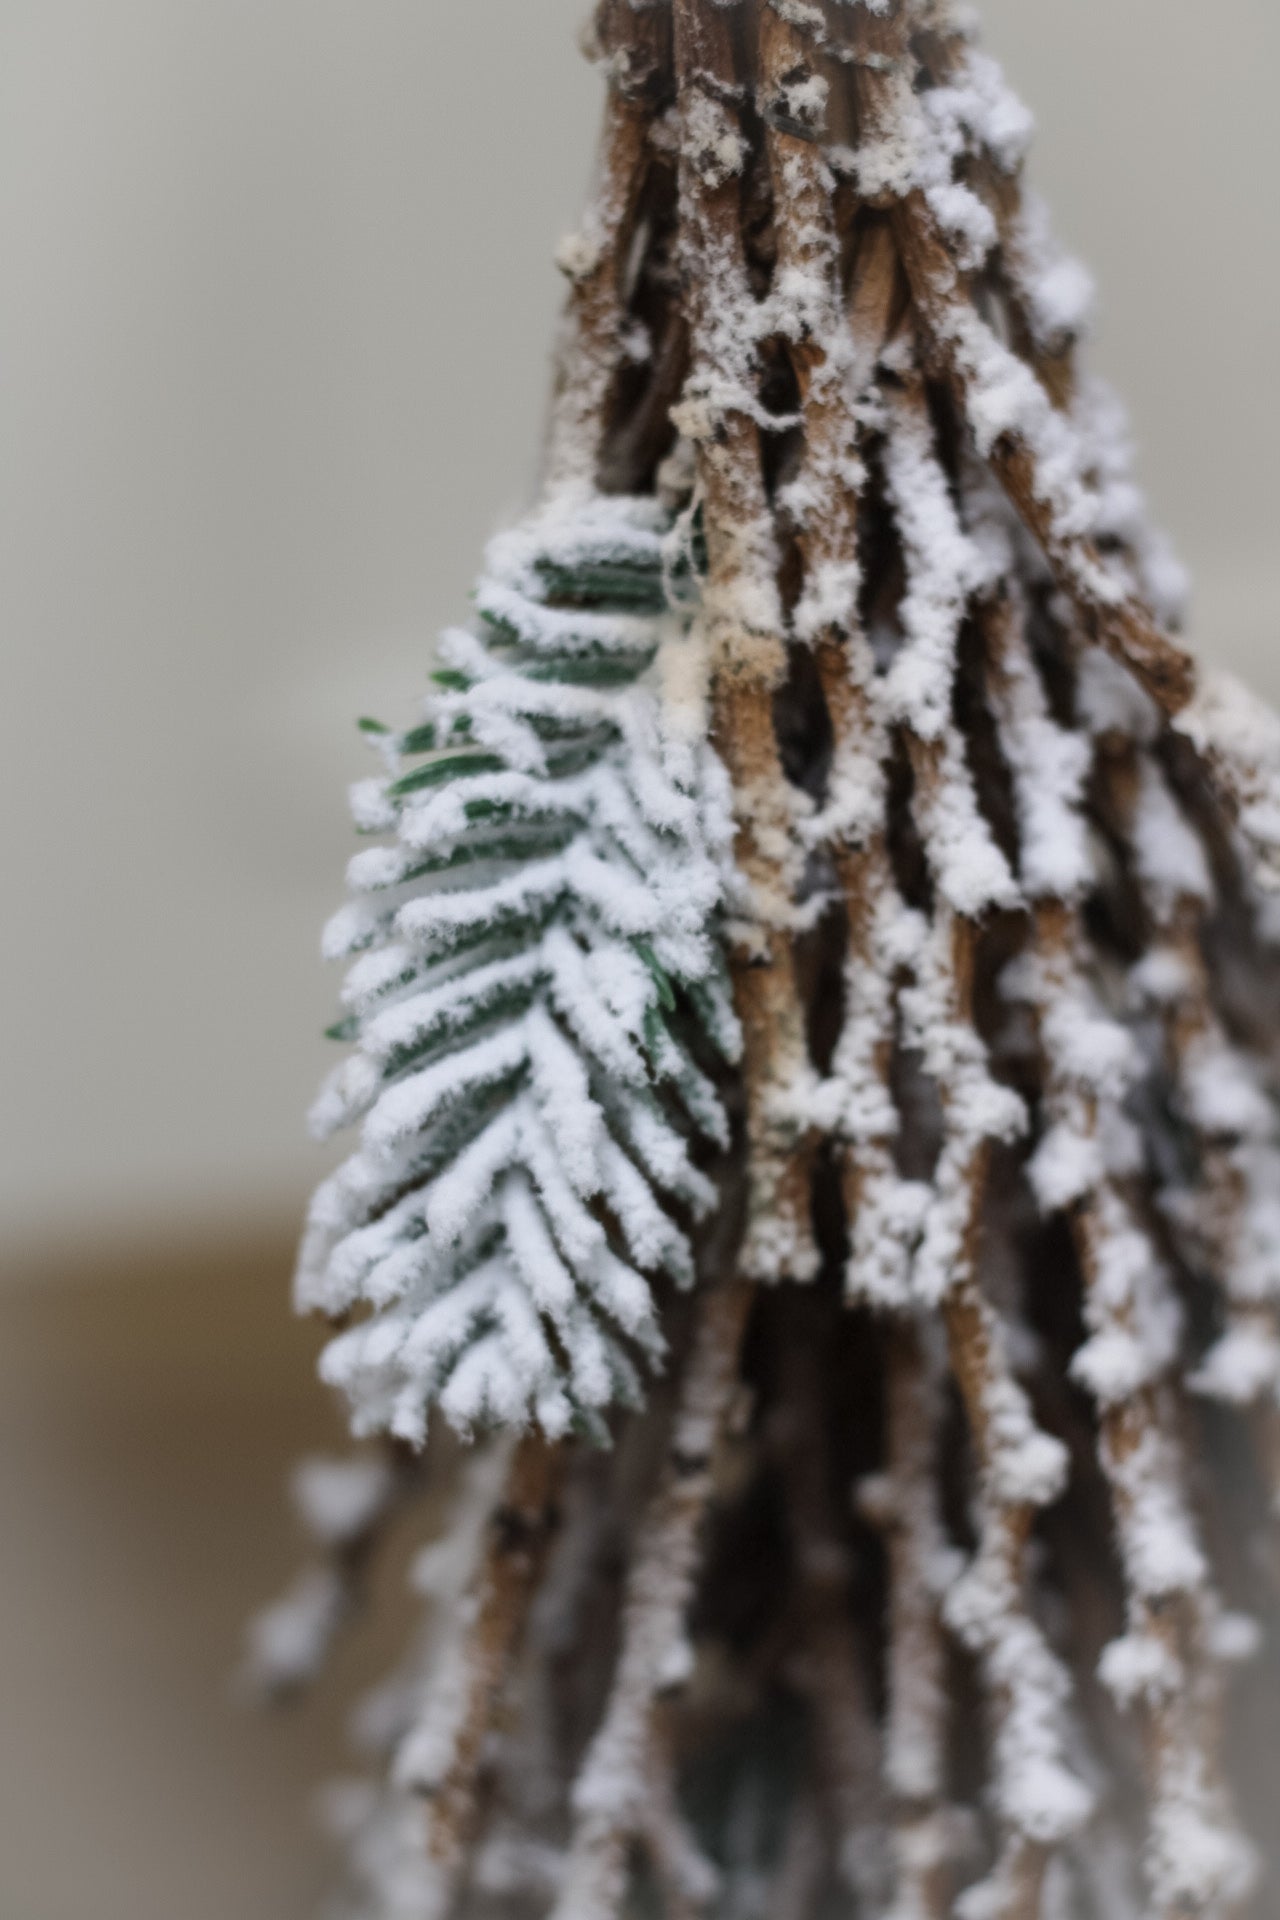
288 1640
339 1500
1238 735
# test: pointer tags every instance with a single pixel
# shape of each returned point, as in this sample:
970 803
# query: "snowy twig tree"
810 1026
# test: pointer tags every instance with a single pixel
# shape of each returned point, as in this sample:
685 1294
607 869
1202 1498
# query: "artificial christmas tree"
813 1052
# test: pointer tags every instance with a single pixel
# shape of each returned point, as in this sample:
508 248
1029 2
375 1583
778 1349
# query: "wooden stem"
634 43
612 1794
956 336
918 1709
519 1533
1139 1448
742 618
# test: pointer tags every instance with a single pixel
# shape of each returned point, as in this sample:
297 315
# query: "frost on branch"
841 646
531 945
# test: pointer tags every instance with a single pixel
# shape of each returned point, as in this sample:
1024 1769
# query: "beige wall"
277 301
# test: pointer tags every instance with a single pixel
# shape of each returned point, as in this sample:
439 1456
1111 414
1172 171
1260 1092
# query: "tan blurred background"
273 343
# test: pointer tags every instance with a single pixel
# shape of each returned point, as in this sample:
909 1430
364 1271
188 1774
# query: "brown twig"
834 359
518 1535
742 619
1227 1115
612 1796
967 352
292 1639
904 1504
834 348
1163 1667
1019 1468
634 44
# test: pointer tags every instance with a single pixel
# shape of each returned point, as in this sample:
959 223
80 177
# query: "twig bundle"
907 1594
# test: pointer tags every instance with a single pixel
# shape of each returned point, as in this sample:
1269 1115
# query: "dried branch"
612 1797
834 353
1219 1097
904 1503
518 1536
742 617
1037 1796
633 44
1163 1665
348 1507
1015 426
834 359
1038 1799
